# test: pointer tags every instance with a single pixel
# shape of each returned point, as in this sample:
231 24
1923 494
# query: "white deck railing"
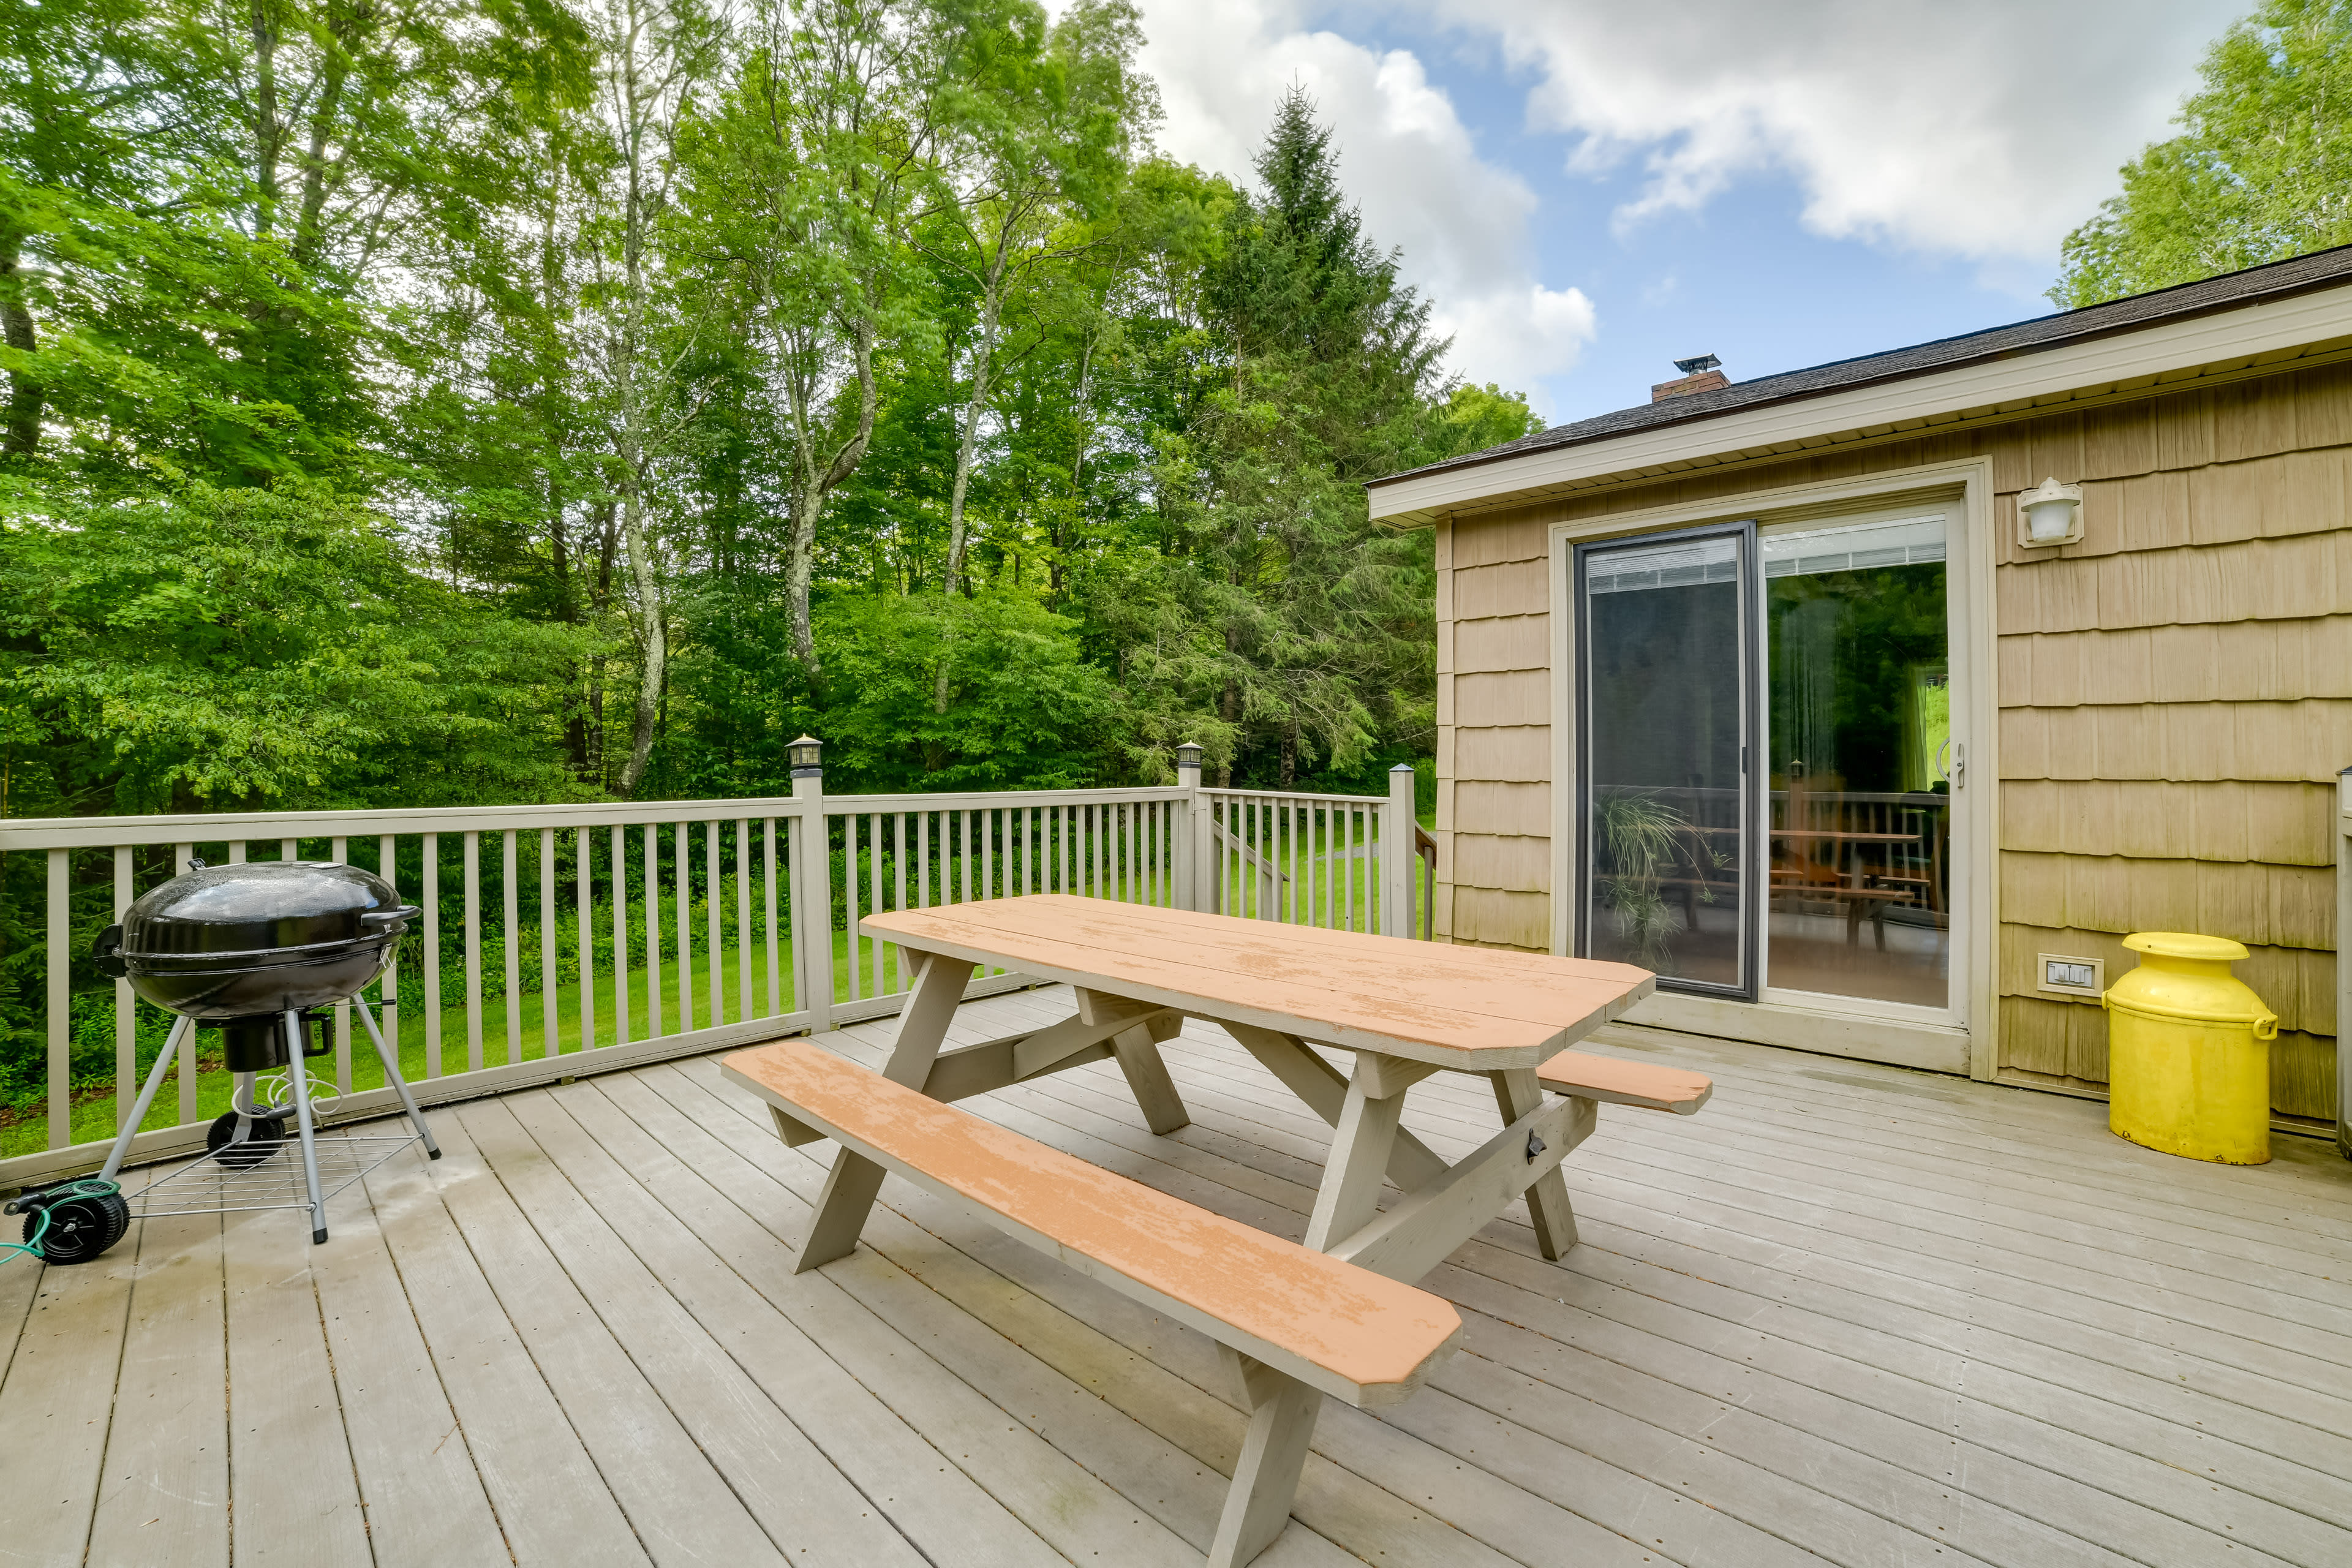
561 940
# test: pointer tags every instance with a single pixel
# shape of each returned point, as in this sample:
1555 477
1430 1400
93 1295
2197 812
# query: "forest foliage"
2261 169
487 400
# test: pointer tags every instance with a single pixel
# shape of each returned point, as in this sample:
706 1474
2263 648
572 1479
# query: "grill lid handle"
108 950
395 919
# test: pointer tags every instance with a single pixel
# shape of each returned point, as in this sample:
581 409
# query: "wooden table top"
1481 1009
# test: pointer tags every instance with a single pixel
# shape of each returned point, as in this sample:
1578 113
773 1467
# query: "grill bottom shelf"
207 1186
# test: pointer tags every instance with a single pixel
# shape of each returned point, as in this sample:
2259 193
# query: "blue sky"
1590 188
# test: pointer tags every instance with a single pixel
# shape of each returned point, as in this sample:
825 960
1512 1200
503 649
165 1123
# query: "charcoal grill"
255 950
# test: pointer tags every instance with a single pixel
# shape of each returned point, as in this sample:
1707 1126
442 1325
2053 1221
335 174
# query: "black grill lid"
229 941
257 910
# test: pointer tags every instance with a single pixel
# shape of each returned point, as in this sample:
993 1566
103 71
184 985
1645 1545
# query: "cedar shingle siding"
2174 698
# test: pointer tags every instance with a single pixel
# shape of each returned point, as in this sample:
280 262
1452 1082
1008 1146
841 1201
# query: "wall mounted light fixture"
2051 514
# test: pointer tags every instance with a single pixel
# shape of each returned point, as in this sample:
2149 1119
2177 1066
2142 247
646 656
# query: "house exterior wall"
2174 694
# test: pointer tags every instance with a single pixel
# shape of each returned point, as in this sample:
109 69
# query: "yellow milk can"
2189 1056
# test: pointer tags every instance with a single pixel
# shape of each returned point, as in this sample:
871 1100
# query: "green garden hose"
38 1205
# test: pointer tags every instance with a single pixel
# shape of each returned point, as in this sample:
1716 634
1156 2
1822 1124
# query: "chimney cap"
1697 363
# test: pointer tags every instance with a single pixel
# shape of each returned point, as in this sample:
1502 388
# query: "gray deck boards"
1846 1314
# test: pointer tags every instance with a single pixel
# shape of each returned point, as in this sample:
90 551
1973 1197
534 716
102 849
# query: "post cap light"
1188 755
2052 513
806 756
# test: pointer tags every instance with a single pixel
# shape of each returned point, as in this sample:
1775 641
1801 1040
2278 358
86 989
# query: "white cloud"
1984 131
1405 157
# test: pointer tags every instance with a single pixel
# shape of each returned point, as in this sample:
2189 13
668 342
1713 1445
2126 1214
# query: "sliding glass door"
1765 757
1861 759
1664 700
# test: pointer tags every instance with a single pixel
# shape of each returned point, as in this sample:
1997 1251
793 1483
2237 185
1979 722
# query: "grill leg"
299 1075
391 1076
121 1150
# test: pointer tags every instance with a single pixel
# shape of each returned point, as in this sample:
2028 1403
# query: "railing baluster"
1302 840
473 952
60 997
963 860
875 945
126 1005
289 849
923 859
551 1036
853 925
714 894
509 914
236 851
776 1007
622 1030
743 920
339 851
653 933
387 866
429 961
182 854
1347 814
898 895
683 886
583 894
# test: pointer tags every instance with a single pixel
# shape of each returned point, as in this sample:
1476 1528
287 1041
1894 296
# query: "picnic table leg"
1361 1143
1139 1057
1274 1452
850 1187
1324 1093
1517 1093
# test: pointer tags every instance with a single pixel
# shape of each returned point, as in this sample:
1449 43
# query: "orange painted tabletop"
1475 1008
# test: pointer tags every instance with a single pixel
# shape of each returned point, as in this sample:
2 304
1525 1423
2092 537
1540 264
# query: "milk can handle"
2266 1026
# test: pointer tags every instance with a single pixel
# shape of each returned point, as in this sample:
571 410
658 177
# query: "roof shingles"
2230 290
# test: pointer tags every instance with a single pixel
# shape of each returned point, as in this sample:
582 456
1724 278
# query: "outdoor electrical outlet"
2084 978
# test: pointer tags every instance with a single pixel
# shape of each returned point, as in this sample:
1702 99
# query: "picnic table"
1404 1009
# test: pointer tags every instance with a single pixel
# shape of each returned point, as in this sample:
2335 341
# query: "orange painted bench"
1298 1324
1613 1081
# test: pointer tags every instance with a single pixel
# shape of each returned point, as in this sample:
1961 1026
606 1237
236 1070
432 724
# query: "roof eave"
2003 384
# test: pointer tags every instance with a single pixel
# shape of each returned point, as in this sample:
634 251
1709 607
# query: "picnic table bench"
1337 1316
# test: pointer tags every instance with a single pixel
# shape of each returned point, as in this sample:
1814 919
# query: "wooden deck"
1847 1314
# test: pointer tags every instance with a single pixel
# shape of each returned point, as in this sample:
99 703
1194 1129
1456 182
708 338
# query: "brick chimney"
1699 374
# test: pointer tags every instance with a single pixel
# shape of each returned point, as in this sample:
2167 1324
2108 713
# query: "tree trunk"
800 569
653 640
991 304
1229 708
25 394
815 483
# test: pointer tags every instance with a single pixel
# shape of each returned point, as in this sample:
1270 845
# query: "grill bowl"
228 942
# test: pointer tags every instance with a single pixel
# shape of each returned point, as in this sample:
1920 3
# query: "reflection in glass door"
1664 627
1859 822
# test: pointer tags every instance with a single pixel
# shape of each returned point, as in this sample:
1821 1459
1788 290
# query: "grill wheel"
268 1132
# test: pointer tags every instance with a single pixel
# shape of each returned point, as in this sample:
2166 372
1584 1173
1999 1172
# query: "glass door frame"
1962 635
1749 584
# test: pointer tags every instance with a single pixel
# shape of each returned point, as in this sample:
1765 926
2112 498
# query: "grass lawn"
93 1115
1332 884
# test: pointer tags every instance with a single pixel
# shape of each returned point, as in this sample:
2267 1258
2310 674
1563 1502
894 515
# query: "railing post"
812 879
1398 860
1191 835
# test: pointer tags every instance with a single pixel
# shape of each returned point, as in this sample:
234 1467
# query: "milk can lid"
2186 944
